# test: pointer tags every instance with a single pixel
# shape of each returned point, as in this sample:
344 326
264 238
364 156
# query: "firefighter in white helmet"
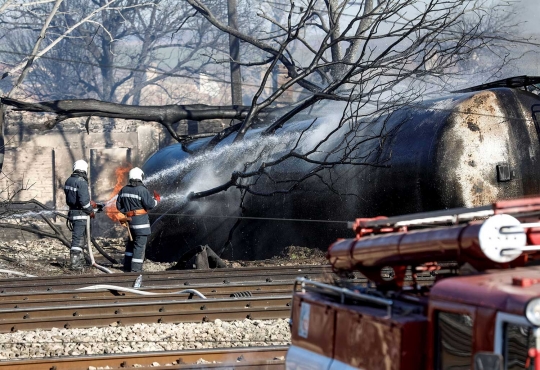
134 200
80 208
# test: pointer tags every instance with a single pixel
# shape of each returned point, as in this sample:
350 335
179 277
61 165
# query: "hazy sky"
529 11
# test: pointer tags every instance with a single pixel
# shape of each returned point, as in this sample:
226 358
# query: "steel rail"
153 280
70 300
246 355
222 290
168 283
178 285
263 270
150 307
255 365
203 313
72 297
210 290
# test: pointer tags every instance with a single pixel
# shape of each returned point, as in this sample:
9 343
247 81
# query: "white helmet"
80 165
136 174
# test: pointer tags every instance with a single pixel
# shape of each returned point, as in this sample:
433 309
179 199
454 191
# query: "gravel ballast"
142 338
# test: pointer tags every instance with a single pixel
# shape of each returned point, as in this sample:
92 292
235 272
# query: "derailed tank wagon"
464 150
482 312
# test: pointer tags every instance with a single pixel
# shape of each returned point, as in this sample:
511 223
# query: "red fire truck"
449 290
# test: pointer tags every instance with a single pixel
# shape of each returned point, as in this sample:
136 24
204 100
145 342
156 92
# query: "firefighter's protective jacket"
77 196
132 197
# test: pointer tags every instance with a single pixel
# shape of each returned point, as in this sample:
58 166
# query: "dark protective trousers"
134 257
78 239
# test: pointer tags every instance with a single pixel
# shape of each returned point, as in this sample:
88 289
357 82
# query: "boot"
77 260
136 266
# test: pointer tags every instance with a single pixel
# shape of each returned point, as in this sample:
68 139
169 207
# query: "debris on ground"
49 257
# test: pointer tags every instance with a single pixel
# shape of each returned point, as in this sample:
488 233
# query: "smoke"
210 169
321 129
527 12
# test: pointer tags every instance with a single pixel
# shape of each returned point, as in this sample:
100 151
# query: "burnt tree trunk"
163 114
2 140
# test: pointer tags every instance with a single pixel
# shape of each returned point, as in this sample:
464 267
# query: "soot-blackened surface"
440 155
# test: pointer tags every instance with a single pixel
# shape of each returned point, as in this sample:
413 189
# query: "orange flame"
121 176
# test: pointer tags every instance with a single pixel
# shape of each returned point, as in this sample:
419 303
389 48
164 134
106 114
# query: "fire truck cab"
481 311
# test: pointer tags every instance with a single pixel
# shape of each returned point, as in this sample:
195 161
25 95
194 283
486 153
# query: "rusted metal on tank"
477 134
441 154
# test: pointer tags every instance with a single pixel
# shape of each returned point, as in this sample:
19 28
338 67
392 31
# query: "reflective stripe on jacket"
77 195
135 196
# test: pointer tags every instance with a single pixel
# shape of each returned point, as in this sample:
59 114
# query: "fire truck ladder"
519 207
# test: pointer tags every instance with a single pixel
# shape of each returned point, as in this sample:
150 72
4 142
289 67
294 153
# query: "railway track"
46 303
146 311
233 294
269 357
70 297
183 278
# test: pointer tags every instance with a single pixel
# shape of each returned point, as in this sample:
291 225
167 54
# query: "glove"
93 204
157 196
92 215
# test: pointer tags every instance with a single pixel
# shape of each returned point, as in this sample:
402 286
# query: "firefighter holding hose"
80 209
134 200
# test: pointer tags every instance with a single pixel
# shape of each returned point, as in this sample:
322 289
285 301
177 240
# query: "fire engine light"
500 246
532 312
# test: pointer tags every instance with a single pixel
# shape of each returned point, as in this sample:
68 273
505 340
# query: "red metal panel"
413 355
484 329
432 244
469 242
533 236
455 243
339 254
517 205
376 250
378 343
321 328
494 290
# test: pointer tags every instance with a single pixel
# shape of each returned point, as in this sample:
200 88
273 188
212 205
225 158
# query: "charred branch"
166 114
34 230
12 207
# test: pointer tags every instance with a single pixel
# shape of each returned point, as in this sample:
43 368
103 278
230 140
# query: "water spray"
244 146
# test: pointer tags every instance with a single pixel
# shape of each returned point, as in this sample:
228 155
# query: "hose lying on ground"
15 273
89 243
141 292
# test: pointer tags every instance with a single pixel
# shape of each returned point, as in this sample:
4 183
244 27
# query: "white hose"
141 292
89 242
15 273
